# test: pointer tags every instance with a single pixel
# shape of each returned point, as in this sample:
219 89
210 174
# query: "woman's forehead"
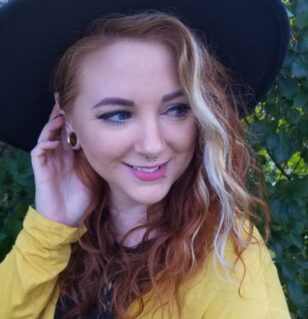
130 53
129 63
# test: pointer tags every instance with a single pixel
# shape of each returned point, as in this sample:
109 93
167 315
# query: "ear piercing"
72 139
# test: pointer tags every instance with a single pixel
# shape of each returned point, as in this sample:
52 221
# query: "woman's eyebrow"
114 101
173 95
126 102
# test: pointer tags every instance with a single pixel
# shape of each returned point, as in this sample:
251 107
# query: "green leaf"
283 109
303 44
289 270
293 116
301 14
295 240
300 67
2 236
303 264
278 249
294 209
13 227
278 210
259 131
284 148
288 61
25 179
295 291
297 188
301 99
288 87
272 141
5 246
303 126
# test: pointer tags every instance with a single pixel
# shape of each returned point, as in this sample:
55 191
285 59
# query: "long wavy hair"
207 205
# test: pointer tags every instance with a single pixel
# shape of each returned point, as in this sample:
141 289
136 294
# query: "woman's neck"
126 219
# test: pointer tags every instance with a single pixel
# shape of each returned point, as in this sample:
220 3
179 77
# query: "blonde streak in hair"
198 100
227 221
219 178
192 248
241 195
221 236
210 123
239 229
217 181
211 126
213 130
205 113
243 201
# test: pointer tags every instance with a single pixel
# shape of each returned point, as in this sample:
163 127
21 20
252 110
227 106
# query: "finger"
51 130
55 111
40 154
43 147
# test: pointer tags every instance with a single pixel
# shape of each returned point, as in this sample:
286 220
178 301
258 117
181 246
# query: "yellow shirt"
28 279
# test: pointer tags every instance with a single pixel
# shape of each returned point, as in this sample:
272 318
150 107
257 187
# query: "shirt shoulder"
250 288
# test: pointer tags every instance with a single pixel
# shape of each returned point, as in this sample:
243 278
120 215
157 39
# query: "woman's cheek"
186 137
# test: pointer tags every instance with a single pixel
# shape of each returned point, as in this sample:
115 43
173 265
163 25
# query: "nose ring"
149 158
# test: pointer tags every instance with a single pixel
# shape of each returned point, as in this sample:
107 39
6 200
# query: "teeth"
148 170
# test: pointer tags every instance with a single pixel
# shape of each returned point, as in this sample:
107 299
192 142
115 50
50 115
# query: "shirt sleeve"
29 272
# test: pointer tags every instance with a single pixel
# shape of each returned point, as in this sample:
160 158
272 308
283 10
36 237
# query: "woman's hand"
59 194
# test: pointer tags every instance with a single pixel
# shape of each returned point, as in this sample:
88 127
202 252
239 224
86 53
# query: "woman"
141 209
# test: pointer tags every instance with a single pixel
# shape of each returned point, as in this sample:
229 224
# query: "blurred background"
277 131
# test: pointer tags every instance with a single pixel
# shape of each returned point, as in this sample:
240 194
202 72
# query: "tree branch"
300 158
278 165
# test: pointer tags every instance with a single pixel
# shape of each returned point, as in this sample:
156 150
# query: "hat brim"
249 37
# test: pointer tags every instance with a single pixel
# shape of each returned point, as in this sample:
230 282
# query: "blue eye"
180 109
117 117
121 117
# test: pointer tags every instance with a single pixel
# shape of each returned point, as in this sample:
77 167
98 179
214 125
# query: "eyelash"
106 117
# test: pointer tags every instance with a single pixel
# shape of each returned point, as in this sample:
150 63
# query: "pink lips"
149 176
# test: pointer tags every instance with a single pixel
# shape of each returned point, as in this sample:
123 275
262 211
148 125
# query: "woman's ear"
57 103
68 134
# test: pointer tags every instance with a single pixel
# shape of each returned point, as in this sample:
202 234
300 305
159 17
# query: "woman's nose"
150 139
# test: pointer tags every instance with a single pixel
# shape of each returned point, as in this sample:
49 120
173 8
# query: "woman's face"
130 106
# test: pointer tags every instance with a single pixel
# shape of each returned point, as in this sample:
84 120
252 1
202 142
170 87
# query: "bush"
278 131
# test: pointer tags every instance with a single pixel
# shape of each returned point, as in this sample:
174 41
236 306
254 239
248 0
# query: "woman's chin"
150 197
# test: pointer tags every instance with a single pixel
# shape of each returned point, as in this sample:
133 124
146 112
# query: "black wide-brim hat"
250 37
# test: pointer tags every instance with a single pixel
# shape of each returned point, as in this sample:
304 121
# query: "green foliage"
16 193
278 132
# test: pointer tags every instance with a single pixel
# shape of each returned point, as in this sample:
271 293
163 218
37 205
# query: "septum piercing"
149 158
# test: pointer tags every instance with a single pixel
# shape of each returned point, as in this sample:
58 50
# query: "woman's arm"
29 273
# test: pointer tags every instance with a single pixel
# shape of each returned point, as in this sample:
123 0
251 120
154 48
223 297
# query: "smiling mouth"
148 174
148 169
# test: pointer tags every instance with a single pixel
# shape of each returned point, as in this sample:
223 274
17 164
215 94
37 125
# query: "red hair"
189 214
